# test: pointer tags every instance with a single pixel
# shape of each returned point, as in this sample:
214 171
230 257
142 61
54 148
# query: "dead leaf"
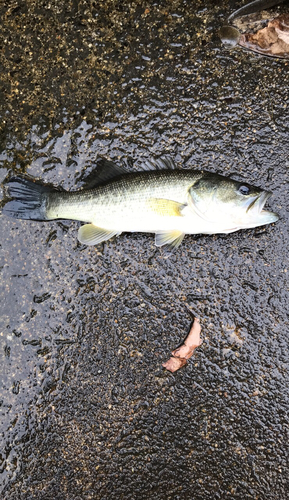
182 354
174 364
270 41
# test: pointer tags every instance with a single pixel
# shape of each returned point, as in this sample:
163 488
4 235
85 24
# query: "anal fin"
93 235
172 238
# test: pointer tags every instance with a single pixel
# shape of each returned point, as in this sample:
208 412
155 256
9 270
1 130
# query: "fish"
159 199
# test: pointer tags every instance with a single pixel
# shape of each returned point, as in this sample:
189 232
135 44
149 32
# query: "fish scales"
126 196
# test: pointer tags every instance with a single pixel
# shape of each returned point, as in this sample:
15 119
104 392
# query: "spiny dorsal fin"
164 163
93 235
105 171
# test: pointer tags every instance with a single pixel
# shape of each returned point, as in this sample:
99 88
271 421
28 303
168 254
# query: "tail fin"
29 199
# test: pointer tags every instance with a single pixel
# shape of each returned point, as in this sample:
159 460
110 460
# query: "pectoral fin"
172 238
92 235
166 208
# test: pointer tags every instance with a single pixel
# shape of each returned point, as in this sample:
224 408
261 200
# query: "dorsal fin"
164 163
105 171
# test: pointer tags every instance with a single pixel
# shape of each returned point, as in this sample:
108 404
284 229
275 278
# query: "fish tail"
29 199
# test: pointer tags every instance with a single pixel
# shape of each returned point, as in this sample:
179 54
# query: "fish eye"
243 189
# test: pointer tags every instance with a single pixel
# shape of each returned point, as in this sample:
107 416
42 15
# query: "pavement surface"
87 411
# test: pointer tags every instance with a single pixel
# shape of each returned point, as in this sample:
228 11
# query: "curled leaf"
272 40
182 354
174 364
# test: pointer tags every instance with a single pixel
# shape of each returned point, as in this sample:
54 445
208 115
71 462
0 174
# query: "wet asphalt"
87 411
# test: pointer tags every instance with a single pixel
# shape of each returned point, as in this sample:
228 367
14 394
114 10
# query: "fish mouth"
259 201
255 209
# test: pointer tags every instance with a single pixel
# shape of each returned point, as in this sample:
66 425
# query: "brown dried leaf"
272 40
174 364
179 356
192 341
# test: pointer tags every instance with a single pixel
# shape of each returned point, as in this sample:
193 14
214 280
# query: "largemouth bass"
160 200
